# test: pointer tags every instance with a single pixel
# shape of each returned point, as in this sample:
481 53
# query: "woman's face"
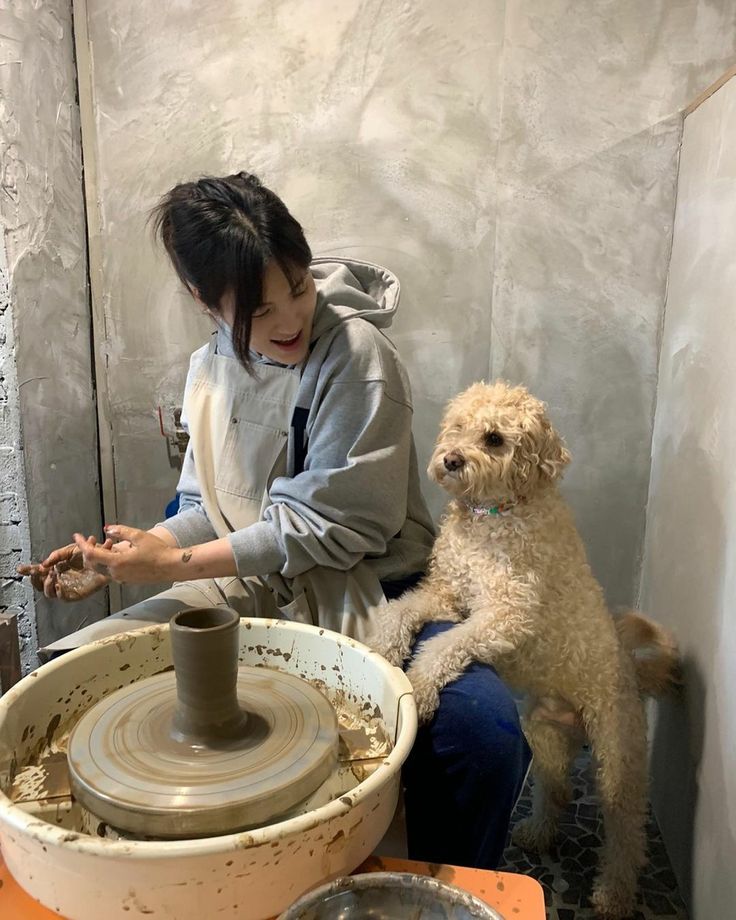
281 327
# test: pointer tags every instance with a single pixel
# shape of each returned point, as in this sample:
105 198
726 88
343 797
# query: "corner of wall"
641 562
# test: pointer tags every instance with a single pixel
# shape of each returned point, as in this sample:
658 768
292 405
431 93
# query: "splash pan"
84 868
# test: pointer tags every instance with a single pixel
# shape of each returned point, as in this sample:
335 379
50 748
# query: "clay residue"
75 580
51 728
44 782
363 734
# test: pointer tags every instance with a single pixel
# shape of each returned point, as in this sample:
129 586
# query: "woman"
300 490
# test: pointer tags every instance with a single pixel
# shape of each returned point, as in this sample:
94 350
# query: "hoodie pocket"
298 610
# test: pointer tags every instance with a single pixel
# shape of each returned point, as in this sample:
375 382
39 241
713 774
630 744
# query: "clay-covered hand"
426 685
64 575
132 557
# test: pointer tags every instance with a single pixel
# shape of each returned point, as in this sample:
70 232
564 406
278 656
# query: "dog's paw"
390 651
612 901
426 691
389 635
530 834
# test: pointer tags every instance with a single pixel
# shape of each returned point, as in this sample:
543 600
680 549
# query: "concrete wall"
586 169
15 542
42 217
514 163
689 572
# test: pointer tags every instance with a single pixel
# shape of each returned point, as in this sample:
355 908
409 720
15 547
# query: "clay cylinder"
204 648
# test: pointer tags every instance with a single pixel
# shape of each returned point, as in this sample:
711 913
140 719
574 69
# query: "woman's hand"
129 555
64 575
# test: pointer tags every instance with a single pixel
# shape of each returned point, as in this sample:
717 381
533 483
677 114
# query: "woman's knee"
477 712
477 729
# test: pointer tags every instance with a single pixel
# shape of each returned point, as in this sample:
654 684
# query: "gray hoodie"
351 492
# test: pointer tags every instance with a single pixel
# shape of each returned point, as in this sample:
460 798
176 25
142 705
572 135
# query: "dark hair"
221 234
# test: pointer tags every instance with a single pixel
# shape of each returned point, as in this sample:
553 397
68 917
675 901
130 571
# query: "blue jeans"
465 771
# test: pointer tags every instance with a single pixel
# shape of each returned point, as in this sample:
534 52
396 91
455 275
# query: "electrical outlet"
175 434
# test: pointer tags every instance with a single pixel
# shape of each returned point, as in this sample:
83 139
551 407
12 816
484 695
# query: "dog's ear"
544 448
553 455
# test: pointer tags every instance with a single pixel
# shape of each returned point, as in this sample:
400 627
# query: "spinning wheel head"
210 749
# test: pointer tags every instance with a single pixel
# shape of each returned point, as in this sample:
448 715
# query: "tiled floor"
567 872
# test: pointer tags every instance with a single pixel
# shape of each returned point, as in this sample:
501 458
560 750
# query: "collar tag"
488 510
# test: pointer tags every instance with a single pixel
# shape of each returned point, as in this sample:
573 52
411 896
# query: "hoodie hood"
347 288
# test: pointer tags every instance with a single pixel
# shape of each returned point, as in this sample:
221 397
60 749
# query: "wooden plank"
707 93
85 79
10 672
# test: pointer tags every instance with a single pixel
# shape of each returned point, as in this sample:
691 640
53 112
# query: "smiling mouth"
288 343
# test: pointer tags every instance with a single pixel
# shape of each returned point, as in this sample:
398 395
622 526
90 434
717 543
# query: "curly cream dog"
510 568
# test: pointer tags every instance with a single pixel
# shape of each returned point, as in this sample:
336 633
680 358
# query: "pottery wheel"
127 769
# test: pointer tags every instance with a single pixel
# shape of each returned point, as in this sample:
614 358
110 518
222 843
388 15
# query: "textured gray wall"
42 216
15 542
689 572
514 163
586 176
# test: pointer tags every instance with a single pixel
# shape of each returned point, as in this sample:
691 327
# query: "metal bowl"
389 896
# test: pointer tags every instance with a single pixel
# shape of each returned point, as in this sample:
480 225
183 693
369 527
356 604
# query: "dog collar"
485 510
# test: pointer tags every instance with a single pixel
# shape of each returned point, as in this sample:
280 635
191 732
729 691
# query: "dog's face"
496 444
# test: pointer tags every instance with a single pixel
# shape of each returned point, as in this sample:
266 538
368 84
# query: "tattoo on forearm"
186 555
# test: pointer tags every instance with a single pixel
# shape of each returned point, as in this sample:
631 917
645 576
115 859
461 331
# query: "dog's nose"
454 460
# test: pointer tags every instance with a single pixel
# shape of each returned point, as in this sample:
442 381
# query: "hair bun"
249 179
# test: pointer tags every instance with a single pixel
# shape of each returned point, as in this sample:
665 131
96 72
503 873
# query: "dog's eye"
494 439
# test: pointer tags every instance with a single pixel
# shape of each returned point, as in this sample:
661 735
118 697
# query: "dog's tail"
655 653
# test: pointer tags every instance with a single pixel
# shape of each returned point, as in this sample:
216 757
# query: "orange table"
516 897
